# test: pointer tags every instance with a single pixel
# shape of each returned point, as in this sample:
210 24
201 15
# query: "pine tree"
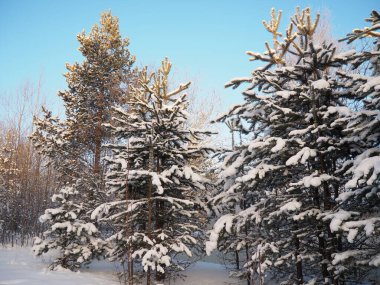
286 174
362 190
96 84
73 146
156 210
70 229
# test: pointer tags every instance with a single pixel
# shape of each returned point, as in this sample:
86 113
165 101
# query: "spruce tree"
156 210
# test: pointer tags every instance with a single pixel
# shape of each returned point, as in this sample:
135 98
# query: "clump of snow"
232 169
373 82
344 55
314 180
291 206
367 224
375 261
224 222
65 225
363 169
338 218
308 213
320 84
280 144
49 213
352 233
300 132
285 93
258 172
341 110
156 182
304 154
342 256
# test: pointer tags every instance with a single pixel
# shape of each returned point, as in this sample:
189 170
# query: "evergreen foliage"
71 230
96 84
362 193
298 200
156 210
73 145
281 190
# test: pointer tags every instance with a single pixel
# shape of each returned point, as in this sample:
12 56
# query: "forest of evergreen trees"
125 176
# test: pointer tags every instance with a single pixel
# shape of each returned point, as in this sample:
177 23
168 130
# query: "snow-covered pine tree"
156 211
98 83
362 190
70 229
285 175
73 145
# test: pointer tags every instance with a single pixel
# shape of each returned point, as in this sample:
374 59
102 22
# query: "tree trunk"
260 272
98 134
159 221
237 259
150 204
98 145
298 261
322 249
129 226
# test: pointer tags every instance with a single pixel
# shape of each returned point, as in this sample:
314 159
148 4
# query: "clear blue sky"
205 40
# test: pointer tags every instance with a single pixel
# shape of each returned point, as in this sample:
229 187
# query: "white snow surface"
226 222
321 84
373 82
303 155
20 266
345 55
363 168
285 93
338 218
291 206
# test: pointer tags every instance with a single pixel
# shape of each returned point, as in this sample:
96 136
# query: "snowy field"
19 266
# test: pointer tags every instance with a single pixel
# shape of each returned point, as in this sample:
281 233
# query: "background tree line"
26 181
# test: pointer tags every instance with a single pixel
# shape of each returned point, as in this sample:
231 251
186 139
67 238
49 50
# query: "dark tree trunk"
298 261
98 146
150 205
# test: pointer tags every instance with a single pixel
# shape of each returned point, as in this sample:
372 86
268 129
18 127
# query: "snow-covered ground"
19 266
